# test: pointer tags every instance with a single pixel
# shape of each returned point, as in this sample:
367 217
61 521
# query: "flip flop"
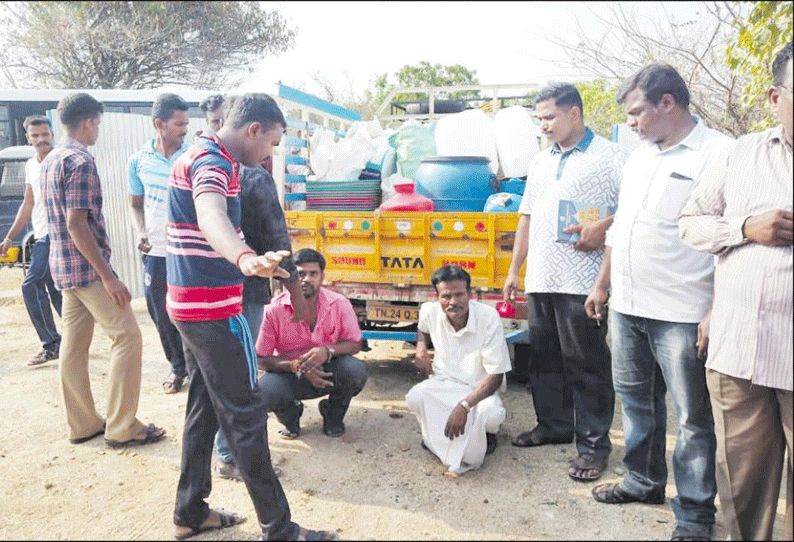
535 438
89 437
153 434
227 519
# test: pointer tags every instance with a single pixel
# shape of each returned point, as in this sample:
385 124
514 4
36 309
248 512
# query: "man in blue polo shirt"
148 173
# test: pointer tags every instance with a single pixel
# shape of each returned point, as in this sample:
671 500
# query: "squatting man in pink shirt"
310 358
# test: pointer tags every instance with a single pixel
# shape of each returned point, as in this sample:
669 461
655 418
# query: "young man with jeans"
661 290
38 289
207 260
147 176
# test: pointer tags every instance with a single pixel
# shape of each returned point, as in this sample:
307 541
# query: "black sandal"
153 434
613 494
227 519
536 438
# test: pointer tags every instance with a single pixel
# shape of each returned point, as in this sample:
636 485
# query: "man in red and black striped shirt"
206 261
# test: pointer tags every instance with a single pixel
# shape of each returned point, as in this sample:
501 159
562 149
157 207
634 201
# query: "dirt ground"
375 483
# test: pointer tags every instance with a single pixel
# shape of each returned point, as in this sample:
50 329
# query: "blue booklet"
575 212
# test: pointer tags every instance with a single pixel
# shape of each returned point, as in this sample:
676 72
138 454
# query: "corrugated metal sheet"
120 136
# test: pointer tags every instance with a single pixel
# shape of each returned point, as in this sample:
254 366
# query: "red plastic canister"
407 200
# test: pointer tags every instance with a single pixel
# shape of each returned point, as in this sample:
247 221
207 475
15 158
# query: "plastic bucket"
456 183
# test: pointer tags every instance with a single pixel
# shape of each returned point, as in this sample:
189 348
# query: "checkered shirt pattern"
69 180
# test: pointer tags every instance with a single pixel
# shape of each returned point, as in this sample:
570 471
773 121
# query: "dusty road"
375 483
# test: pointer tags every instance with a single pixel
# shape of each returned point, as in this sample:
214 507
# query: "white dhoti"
433 400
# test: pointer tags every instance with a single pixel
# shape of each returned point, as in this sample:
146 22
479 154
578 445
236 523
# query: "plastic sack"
502 202
468 133
341 160
516 140
411 143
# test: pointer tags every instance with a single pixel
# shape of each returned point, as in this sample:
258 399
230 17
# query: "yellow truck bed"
404 248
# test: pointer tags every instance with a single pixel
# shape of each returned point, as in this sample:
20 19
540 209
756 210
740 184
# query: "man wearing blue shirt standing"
148 173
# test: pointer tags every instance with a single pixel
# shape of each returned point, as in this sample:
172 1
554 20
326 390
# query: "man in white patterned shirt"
661 290
742 211
570 374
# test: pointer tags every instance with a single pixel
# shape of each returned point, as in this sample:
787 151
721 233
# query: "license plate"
391 312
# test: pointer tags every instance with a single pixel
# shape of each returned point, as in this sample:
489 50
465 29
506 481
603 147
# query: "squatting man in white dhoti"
458 406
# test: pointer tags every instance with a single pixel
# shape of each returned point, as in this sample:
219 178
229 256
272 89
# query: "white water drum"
516 140
468 133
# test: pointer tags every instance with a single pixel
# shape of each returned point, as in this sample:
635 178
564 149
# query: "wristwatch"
331 352
465 404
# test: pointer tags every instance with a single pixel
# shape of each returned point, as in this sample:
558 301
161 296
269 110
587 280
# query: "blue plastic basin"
456 183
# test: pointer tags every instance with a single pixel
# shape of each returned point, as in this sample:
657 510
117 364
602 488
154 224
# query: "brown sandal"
587 462
173 384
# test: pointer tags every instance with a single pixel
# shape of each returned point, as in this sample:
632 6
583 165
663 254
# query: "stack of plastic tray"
343 195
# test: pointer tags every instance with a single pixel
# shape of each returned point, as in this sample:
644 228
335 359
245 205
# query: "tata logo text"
406 262
462 263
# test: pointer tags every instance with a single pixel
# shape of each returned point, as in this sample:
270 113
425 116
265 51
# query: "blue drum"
456 183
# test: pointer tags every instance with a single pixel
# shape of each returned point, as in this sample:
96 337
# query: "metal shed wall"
120 136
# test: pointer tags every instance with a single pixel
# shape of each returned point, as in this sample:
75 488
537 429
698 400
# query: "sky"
349 43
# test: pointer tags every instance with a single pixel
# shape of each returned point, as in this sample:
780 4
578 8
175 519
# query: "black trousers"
570 372
221 393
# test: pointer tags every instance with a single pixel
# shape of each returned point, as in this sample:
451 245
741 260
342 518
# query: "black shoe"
290 418
492 442
688 533
332 428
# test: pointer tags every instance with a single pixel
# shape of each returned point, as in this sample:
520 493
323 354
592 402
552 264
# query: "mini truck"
382 261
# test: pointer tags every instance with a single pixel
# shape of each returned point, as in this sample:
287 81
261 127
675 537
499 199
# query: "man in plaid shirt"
80 267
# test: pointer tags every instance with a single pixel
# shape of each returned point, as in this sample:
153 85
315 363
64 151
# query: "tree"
601 111
760 34
696 48
137 44
423 74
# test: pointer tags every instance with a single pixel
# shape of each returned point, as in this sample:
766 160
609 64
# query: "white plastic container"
468 133
516 140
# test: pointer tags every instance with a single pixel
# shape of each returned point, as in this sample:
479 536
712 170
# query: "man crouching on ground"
458 407
312 358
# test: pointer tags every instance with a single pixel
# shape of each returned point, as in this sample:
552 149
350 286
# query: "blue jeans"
155 288
650 357
38 282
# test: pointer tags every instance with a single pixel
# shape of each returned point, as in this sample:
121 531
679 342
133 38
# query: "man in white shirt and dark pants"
570 370
742 211
661 291
458 406
38 288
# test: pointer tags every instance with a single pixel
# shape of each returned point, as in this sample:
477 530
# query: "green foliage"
424 74
138 44
760 35
601 110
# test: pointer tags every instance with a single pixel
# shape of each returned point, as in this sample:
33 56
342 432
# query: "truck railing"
490 95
